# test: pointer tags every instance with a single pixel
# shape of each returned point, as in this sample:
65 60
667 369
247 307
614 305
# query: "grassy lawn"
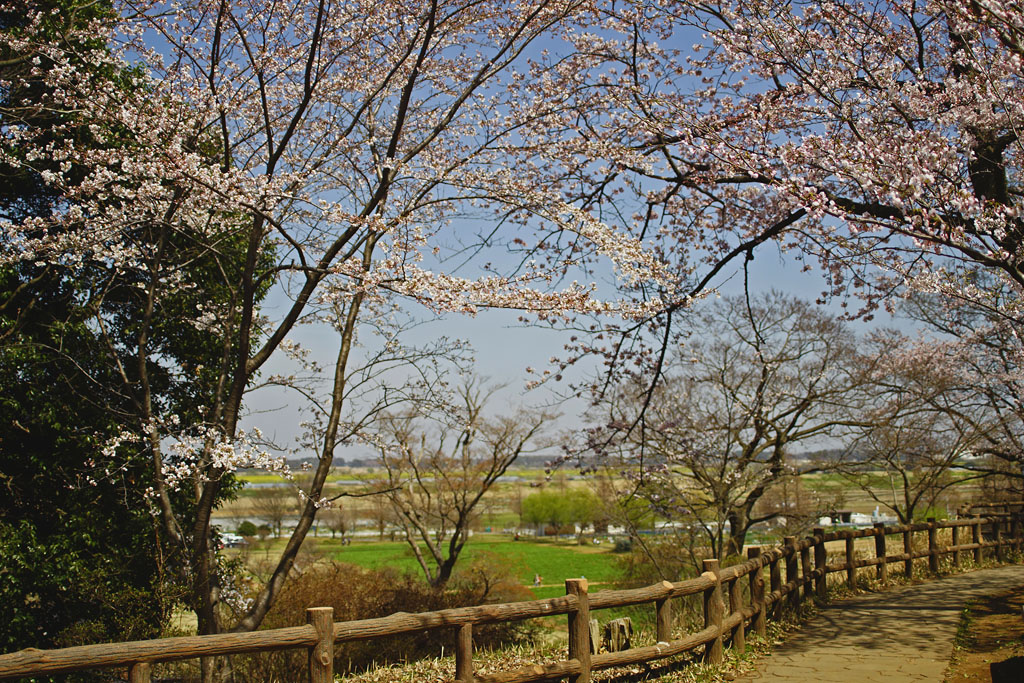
554 561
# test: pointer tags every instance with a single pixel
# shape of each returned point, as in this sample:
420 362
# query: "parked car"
232 540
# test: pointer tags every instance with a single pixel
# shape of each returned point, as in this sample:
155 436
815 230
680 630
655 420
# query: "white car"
232 540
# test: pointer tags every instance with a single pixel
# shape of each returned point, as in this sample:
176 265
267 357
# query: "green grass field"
555 562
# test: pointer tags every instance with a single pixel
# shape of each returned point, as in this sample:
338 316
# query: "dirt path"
905 634
992 647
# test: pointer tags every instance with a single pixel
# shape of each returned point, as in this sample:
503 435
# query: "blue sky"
504 348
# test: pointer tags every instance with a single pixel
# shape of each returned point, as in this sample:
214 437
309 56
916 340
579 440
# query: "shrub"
247 529
656 559
357 593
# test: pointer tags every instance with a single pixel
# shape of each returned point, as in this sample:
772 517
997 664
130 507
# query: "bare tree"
908 460
918 429
981 351
758 378
338 519
439 467
798 506
274 503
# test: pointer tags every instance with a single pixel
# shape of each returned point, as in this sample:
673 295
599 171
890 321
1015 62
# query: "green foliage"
62 589
633 512
77 543
561 508
82 560
247 529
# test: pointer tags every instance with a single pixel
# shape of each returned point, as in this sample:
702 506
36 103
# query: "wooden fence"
734 599
999 509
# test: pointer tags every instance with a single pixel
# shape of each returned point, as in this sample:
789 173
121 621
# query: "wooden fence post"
775 585
792 574
908 550
933 546
821 563
321 655
141 672
956 544
851 567
976 540
663 612
997 531
805 572
714 609
739 640
579 629
757 594
464 654
882 568
1015 531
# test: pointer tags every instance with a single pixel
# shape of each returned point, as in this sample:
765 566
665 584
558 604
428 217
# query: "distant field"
849 496
362 474
499 510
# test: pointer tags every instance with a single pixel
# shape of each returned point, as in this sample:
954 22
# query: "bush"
247 529
490 578
656 559
357 593
671 561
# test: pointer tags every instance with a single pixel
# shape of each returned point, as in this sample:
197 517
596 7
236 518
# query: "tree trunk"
444 572
739 525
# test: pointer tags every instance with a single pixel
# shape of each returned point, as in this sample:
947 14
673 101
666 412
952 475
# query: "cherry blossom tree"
980 350
877 139
359 153
920 427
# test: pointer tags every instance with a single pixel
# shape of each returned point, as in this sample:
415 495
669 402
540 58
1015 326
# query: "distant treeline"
542 461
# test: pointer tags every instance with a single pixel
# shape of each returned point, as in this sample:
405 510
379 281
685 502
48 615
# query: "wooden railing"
730 607
993 509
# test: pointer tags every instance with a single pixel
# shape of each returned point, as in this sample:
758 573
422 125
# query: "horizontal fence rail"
734 599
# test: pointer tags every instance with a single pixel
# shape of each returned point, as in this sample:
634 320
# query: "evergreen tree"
81 558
